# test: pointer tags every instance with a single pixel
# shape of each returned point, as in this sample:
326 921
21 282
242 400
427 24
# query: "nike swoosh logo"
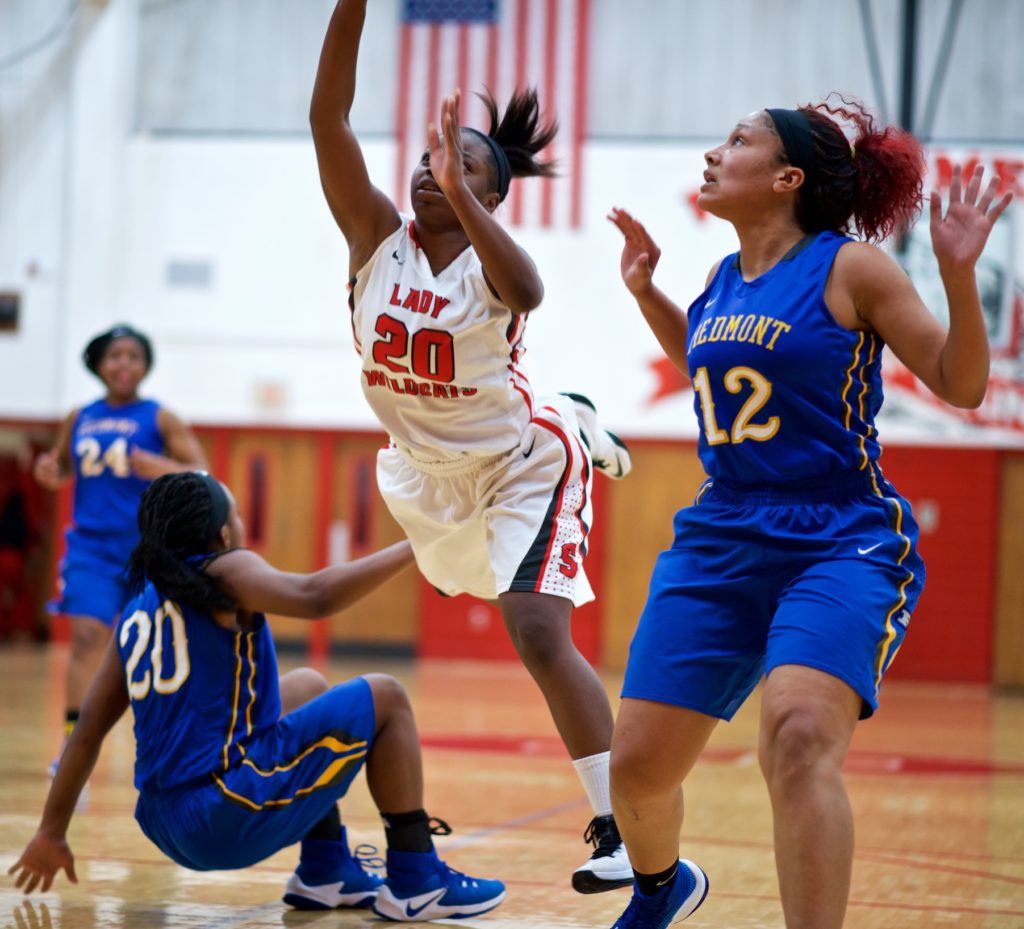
864 551
394 255
668 880
412 911
712 300
529 451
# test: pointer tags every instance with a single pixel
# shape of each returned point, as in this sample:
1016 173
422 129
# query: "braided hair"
175 517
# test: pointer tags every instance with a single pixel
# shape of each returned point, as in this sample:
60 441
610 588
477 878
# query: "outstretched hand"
959 237
640 254
446 152
40 862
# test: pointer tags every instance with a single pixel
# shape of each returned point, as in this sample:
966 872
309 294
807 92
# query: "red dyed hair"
875 187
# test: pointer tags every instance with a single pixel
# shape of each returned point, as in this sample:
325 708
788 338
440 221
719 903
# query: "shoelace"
368 856
602 834
438 826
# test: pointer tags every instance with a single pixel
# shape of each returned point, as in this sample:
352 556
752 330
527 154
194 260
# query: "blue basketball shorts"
824 577
92 577
290 777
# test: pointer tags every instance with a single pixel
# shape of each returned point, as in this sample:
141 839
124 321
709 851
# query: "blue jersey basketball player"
233 764
111 449
798 559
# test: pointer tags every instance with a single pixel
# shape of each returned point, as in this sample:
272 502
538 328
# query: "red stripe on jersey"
526 397
561 495
585 470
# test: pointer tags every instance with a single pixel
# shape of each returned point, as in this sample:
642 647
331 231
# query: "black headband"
219 503
500 161
794 129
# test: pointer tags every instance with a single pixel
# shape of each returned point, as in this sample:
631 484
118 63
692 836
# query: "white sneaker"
608 452
608 868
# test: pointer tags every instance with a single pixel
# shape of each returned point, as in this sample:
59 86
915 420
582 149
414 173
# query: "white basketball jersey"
442 356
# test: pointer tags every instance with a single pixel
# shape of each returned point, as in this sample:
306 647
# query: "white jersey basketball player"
491 486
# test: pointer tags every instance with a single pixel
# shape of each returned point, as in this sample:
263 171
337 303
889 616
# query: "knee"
635 777
540 644
312 683
796 744
88 636
389 697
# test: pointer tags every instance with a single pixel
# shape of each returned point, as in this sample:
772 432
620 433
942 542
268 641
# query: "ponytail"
873 186
520 134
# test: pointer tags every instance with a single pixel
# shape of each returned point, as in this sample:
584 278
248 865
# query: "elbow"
525 300
966 398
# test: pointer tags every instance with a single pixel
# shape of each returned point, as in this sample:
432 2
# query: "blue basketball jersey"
782 392
198 691
107 493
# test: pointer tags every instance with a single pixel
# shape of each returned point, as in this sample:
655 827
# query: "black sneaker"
608 868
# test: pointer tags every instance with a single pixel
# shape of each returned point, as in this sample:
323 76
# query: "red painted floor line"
856 763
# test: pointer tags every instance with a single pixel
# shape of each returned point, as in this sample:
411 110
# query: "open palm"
640 254
40 862
446 153
959 237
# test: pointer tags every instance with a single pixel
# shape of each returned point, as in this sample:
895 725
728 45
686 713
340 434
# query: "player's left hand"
40 862
959 237
447 154
147 465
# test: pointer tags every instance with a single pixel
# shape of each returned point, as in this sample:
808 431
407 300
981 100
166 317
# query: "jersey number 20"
432 355
742 428
153 628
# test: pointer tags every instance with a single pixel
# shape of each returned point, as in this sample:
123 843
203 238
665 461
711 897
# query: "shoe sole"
587 882
389 907
587 402
307 903
688 908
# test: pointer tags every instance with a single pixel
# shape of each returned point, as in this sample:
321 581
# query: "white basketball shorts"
514 522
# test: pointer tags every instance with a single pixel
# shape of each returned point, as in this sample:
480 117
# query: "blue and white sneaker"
608 452
671 904
421 887
329 876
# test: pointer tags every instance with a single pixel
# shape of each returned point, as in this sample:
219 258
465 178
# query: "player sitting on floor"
233 763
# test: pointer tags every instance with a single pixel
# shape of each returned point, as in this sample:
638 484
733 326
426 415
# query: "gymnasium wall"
309 497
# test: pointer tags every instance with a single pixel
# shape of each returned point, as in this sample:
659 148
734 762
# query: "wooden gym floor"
936 780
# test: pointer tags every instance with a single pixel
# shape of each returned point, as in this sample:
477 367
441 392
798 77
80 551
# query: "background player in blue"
111 448
225 780
797 559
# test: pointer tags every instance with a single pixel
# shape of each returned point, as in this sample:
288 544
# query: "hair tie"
220 505
794 129
500 160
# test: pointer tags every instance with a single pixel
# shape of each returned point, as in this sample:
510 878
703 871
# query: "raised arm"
53 469
49 852
260 587
363 213
666 319
952 363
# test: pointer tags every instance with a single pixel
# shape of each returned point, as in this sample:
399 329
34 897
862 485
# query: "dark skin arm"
183 451
48 851
364 214
666 319
53 469
509 270
258 587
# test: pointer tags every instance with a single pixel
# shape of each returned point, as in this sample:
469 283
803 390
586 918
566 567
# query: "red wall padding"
954 493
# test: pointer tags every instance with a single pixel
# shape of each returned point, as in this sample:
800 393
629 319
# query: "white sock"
593 771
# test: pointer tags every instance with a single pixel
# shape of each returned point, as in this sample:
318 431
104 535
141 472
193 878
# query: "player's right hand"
47 471
40 862
640 254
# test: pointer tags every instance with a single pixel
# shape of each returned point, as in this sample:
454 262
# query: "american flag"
500 44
